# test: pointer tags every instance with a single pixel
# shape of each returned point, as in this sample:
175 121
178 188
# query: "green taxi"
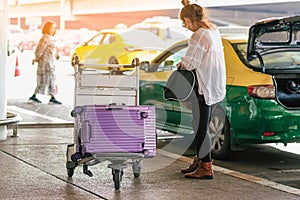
262 103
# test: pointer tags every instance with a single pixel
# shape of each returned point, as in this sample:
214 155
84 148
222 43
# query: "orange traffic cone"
17 69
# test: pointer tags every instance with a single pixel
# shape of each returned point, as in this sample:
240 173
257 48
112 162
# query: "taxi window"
96 40
279 61
241 50
171 61
109 38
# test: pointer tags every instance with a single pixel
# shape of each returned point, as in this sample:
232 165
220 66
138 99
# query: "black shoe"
54 101
33 98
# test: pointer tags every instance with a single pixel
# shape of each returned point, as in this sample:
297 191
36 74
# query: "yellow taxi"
118 46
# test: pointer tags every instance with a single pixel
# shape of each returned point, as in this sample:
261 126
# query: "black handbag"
180 85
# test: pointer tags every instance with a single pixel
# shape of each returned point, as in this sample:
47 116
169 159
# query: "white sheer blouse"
205 54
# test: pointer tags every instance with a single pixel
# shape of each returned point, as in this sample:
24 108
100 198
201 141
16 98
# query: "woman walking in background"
204 55
45 55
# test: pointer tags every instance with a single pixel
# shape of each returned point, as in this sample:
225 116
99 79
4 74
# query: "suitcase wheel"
70 171
136 168
117 177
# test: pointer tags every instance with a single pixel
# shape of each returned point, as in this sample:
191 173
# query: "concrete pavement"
33 166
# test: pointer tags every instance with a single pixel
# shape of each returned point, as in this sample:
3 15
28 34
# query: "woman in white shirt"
204 55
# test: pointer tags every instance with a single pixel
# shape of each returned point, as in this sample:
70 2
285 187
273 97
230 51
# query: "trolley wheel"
136 175
117 177
70 165
136 168
70 171
87 171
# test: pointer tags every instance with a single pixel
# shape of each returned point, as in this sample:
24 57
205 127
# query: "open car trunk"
287 90
274 48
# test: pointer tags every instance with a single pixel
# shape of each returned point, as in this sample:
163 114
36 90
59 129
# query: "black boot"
33 98
54 101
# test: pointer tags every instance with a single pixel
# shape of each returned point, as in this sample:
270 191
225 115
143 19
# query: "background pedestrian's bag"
180 85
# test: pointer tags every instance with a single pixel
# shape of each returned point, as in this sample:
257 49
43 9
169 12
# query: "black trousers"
201 117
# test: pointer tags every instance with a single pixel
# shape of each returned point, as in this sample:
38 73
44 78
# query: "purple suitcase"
115 129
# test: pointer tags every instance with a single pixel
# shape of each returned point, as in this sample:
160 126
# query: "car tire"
73 61
113 60
220 134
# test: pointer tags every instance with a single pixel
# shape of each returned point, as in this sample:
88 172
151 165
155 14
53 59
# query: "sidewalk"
33 166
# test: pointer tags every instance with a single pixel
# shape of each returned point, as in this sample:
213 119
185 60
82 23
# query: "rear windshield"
281 60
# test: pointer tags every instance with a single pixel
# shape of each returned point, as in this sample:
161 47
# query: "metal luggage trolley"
102 99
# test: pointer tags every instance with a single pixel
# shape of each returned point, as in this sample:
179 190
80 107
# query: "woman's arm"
43 43
194 54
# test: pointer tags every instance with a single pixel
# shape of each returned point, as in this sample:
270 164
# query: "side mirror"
168 65
145 65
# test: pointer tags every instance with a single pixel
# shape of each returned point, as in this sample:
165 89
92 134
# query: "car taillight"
262 91
269 133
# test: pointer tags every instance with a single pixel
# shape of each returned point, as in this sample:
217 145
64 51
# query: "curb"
46 125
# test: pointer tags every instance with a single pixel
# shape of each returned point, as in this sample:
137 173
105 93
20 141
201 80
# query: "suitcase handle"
114 108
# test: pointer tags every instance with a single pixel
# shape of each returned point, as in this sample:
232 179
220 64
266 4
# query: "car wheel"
220 134
75 60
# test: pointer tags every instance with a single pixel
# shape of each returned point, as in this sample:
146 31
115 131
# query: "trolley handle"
135 63
115 108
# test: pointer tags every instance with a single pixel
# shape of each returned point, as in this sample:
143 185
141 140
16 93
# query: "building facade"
101 14
93 14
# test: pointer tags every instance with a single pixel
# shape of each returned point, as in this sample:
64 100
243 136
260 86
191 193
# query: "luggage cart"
109 124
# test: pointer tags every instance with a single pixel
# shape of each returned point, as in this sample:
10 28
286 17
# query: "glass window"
136 38
275 37
279 60
172 60
109 38
96 40
241 50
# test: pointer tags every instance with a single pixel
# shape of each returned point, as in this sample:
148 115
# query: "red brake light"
269 133
262 91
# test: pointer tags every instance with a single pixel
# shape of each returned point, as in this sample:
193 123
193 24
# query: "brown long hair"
47 26
195 13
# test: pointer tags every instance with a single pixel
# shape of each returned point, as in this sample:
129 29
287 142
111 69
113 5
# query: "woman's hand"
34 61
180 66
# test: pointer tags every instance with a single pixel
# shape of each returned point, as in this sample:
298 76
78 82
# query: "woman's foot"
54 101
203 171
192 167
33 98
